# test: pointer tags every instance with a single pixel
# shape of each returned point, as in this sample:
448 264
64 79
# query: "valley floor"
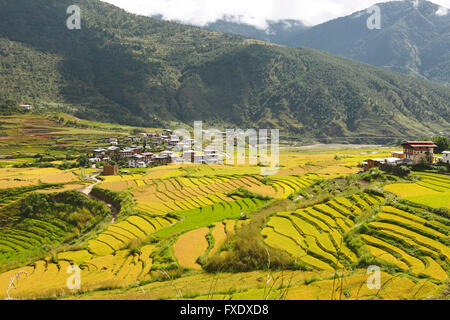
311 231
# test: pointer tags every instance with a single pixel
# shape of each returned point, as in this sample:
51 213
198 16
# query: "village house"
372 163
137 149
99 153
126 153
27 106
110 170
164 139
113 150
166 153
188 156
180 146
137 161
413 153
162 159
133 138
416 151
211 156
147 156
446 157
398 154
198 158
173 141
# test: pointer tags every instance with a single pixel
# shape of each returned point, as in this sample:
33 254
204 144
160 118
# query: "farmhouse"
398 154
211 156
446 157
416 151
147 156
372 163
126 153
137 161
27 106
162 159
133 138
188 156
113 150
99 153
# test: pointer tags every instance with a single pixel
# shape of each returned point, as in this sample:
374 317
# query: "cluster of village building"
139 156
414 152
177 151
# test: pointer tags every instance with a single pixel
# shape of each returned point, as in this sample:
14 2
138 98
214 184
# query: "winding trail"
88 189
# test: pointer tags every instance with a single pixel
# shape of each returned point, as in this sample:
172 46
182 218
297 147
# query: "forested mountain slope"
144 71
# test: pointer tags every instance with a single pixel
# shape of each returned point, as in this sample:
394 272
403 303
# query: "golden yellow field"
190 246
178 221
15 177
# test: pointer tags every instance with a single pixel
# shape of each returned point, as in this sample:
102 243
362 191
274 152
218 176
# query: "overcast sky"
255 12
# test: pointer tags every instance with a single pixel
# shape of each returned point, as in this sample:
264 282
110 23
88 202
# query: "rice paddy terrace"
195 215
312 229
397 238
181 220
431 190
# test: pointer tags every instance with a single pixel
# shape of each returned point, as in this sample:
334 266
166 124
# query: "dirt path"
87 191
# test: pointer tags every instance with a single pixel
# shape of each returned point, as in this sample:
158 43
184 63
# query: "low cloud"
253 12
442 11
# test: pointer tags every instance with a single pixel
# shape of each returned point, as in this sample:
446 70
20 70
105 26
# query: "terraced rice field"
190 246
15 177
315 234
205 216
286 185
160 196
432 190
185 214
411 242
248 286
31 234
119 235
193 244
47 279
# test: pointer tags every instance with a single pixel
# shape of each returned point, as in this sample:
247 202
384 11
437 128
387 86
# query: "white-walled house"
99 153
446 157
137 161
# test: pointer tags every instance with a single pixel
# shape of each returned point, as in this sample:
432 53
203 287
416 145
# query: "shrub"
244 193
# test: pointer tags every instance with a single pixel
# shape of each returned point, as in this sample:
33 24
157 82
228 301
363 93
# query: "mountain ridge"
142 71
413 39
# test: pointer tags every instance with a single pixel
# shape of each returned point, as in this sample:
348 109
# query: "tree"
83 161
443 144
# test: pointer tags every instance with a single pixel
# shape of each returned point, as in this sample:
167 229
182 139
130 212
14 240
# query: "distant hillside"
143 71
413 39
281 32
